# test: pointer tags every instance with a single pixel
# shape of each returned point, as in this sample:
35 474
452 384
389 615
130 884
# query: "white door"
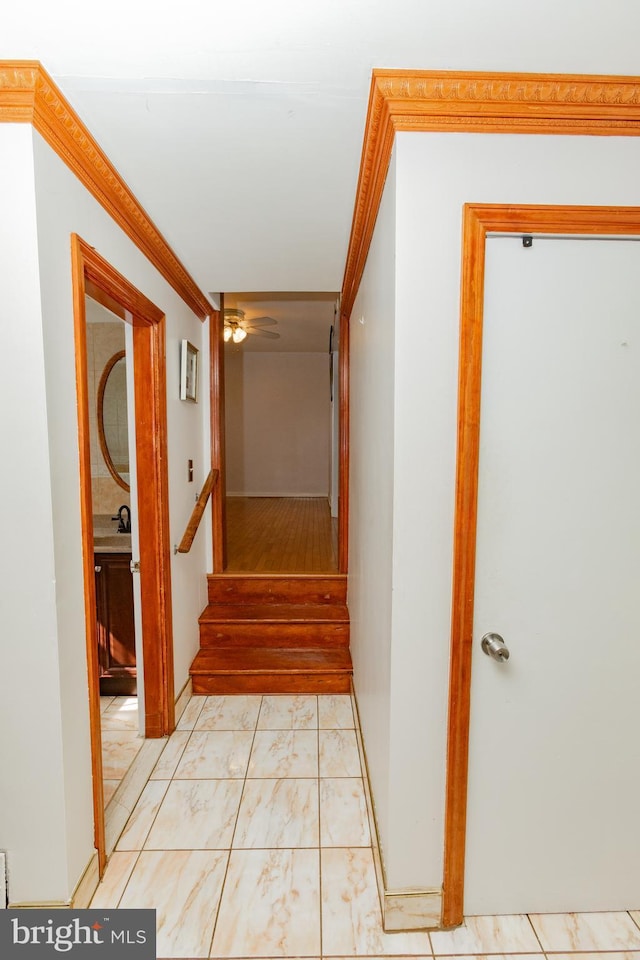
554 761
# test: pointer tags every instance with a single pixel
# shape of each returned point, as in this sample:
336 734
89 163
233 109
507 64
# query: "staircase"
274 633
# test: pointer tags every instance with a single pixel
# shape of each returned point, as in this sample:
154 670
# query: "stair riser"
271 683
274 634
229 589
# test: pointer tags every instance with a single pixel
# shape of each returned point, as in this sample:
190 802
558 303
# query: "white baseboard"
183 698
401 909
87 885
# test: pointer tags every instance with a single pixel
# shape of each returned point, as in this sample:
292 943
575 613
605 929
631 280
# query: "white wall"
278 420
371 484
434 175
31 748
49 808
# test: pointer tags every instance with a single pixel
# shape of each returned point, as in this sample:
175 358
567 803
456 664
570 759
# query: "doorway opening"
115 536
144 325
281 412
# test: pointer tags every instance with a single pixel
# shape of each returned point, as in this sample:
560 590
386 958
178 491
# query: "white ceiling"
302 323
238 125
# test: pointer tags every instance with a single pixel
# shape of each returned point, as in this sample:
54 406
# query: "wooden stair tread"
271 660
281 577
275 613
270 633
277 588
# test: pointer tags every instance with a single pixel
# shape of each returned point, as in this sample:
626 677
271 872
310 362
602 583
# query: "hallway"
252 839
281 535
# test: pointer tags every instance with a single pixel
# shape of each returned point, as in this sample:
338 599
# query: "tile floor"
251 839
120 740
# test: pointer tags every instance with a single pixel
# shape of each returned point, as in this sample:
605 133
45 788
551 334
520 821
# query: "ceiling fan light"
239 334
227 333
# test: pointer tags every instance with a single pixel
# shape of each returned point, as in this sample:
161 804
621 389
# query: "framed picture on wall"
189 372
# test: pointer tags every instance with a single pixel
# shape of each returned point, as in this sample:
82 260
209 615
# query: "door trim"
478 221
93 275
217 414
343 443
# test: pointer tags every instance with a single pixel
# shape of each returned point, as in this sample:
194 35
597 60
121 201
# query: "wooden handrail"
198 510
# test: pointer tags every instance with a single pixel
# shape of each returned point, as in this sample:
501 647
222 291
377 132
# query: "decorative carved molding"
516 94
428 101
29 95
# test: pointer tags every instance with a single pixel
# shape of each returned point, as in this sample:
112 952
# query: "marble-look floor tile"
343 813
130 791
335 712
229 713
479 935
215 754
278 813
121 714
196 815
351 918
191 713
635 914
339 754
288 713
270 906
109 787
494 956
119 747
144 813
170 756
284 753
184 887
114 880
605 955
104 703
573 932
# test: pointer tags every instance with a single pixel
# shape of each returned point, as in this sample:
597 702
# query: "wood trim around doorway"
479 220
343 443
217 414
94 276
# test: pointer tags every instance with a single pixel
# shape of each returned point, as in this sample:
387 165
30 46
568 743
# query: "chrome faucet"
124 519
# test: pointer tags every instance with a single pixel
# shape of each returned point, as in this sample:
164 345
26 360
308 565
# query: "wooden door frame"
217 401
479 221
94 276
343 445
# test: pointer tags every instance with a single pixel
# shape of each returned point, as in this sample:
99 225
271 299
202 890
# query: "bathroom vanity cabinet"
116 631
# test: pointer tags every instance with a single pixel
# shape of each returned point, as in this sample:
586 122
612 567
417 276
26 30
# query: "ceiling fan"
236 328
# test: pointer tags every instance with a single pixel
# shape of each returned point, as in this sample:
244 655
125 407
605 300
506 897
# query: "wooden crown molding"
29 95
431 101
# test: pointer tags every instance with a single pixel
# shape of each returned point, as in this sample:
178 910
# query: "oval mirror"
113 432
